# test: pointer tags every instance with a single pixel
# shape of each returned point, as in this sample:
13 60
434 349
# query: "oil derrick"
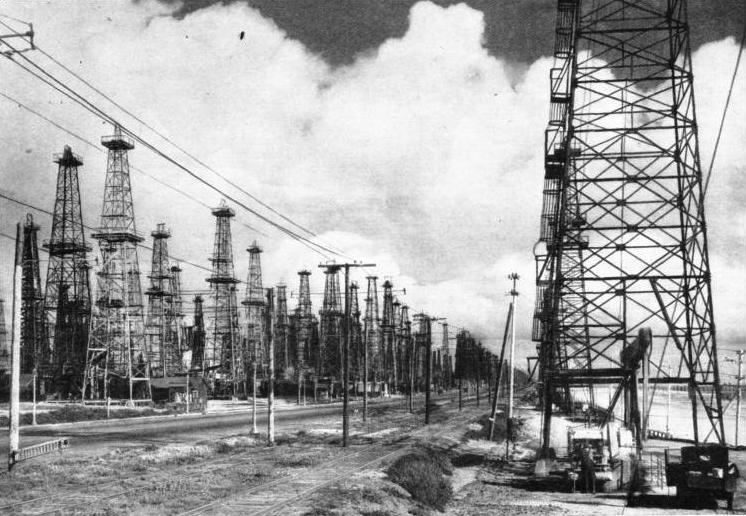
221 355
420 351
399 360
67 295
4 349
197 341
34 345
177 309
304 327
356 335
371 333
329 360
445 354
163 350
254 354
406 344
118 325
283 360
623 221
388 345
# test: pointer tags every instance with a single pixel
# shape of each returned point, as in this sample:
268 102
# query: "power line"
89 228
82 101
725 110
79 99
97 148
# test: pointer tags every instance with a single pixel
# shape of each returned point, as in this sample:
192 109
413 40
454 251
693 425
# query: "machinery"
703 471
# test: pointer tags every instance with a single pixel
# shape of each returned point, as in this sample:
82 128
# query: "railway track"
275 493
279 495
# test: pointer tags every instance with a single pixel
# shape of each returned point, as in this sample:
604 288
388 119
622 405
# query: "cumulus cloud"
424 157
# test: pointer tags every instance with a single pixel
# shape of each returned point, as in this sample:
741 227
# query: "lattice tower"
329 360
388 344
371 330
283 359
254 304
35 352
304 320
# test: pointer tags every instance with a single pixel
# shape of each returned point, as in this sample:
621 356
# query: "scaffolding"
623 223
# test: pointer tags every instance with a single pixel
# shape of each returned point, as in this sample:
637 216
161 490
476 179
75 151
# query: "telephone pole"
346 347
514 296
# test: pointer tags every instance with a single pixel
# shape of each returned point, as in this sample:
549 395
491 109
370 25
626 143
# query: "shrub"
422 474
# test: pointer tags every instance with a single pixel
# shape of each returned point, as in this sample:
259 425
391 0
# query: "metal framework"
329 358
356 336
118 324
388 344
445 355
623 220
304 327
371 331
164 350
255 352
35 352
222 358
283 360
197 334
67 294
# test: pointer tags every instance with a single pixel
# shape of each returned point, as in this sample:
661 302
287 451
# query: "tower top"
160 231
67 158
223 210
117 141
304 273
254 249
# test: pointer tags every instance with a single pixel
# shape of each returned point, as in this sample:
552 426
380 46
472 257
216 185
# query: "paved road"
96 437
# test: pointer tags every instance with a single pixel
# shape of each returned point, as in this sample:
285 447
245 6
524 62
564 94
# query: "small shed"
172 388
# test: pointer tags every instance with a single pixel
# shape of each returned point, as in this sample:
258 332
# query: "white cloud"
422 158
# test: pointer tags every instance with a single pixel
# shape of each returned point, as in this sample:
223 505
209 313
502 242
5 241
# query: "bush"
422 474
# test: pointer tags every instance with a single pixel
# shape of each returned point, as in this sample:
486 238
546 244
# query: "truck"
702 471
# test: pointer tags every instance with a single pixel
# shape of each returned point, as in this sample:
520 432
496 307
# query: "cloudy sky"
407 133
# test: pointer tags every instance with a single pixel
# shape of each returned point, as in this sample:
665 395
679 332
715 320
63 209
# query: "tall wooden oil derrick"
163 347
371 331
304 330
221 358
35 352
356 336
388 344
255 352
118 324
284 363
67 294
329 360
623 223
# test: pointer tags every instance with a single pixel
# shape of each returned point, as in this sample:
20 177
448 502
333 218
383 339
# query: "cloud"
425 157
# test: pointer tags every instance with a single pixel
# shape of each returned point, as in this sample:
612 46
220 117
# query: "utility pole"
739 379
498 375
346 347
514 295
271 386
15 354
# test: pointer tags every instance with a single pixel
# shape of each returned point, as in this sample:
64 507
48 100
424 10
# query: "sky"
407 133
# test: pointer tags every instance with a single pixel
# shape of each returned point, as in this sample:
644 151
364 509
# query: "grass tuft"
422 474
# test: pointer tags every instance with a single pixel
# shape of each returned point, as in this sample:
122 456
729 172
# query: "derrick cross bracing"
329 358
623 221
34 344
388 344
221 356
356 335
254 352
67 295
118 323
303 327
284 362
371 331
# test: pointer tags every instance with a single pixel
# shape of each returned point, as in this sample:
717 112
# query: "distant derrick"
177 312
304 324
221 353
67 295
445 355
118 325
197 336
407 347
356 334
329 359
254 304
371 333
35 352
283 360
388 345
164 353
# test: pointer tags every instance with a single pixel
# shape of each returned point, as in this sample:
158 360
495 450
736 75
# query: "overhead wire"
725 110
97 148
89 228
89 106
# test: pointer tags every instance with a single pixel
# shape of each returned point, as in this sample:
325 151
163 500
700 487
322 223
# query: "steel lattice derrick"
197 336
284 361
67 294
329 360
254 303
118 324
356 336
164 353
623 218
388 345
371 330
222 356
304 324
35 352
